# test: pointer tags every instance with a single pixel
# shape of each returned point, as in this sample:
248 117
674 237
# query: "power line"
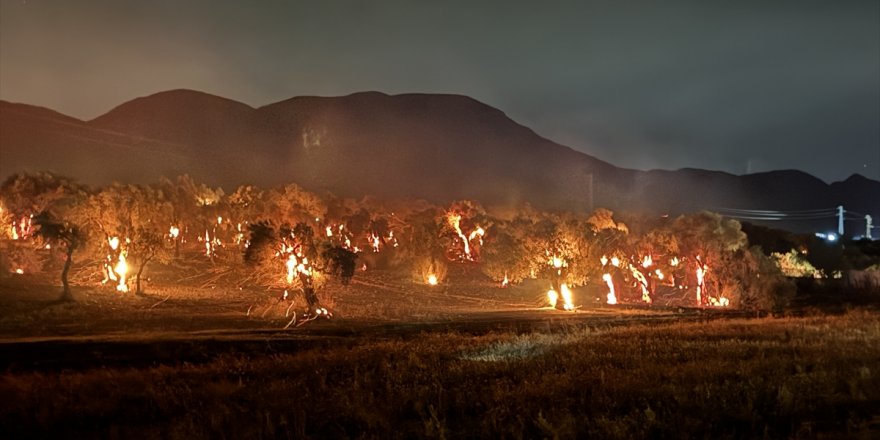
776 211
799 215
772 218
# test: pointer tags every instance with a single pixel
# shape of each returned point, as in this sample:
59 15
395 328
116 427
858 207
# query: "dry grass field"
402 360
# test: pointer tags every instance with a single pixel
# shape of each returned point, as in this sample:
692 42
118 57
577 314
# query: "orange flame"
552 298
701 274
454 220
566 297
643 283
116 272
611 297
374 241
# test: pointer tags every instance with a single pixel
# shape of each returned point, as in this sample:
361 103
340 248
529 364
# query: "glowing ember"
432 280
174 232
295 263
701 274
393 240
291 268
552 298
454 220
22 229
505 281
720 302
115 269
121 269
211 243
566 297
643 283
239 237
557 263
615 261
479 232
674 261
647 261
19 271
374 242
612 298
659 273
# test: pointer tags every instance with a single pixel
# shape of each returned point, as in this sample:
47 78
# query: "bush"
762 284
424 267
20 255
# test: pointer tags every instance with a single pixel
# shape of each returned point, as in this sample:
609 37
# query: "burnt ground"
198 318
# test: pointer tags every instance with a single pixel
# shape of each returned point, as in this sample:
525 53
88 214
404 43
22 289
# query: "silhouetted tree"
63 234
341 262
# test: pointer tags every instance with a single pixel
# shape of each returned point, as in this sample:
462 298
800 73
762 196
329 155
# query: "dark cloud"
744 86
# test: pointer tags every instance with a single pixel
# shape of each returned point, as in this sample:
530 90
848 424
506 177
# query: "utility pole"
868 226
840 221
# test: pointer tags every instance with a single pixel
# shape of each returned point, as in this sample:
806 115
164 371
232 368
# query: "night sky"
739 87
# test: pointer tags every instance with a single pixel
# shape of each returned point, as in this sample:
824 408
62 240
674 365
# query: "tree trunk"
308 291
556 285
65 292
143 264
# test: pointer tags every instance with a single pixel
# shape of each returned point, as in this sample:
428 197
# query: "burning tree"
541 245
506 256
210 218
246 204
24 196
181 194
423 246
567 245
705 238
463 227
292 204
194 210
6 222
295 257
129 222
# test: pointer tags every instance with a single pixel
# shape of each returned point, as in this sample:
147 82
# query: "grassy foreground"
788 377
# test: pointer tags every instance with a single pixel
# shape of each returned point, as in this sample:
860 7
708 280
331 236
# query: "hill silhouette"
432 146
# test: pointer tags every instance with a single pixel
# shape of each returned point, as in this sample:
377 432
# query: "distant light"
829 237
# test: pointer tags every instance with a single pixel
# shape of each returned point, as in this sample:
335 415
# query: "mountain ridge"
434 146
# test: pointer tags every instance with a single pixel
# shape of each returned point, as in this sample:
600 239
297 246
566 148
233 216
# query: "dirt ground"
193 318
31 310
